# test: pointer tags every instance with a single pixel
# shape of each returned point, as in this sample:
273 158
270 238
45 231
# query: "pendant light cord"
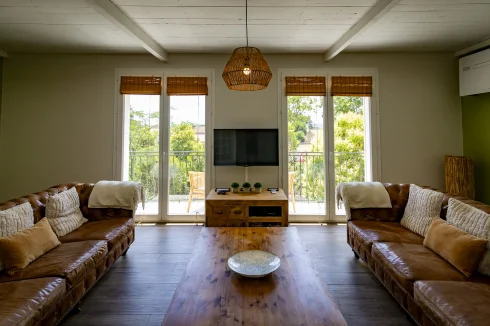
246 20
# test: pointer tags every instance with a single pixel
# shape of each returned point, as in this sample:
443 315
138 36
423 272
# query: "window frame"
119 129
372 136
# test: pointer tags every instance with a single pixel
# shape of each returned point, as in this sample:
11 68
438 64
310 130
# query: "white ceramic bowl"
254 263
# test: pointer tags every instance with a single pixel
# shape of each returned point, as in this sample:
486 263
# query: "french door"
163 143
326 140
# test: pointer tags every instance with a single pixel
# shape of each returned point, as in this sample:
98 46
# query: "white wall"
57 114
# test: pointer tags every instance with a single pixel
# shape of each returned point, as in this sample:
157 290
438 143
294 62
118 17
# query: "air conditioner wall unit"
474 73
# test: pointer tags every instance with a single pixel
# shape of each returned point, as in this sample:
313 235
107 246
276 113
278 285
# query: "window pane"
306 155
349 139
141 162
187 157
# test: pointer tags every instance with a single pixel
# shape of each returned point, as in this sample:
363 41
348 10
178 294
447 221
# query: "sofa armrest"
94 214
399 197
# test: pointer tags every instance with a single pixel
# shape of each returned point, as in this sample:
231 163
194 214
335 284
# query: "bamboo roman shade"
187 86
141 85
306 86
352 86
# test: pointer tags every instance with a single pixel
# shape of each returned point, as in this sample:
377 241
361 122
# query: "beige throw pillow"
462 250
20 249
63 212
423 207
15 219
474 221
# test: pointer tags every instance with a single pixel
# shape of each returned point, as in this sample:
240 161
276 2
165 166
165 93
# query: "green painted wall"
476 140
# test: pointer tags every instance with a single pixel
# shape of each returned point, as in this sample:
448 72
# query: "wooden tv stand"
246 209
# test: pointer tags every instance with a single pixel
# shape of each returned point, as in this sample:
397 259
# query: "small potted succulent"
235 187
258 187
246 187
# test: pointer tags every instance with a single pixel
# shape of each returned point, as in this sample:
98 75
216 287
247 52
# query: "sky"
183 108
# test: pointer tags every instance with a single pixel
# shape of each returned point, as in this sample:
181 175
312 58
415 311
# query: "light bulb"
246 69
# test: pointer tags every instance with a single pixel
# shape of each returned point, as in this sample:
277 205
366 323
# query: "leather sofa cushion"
454 303
112 231
26 302
407 263
70 261
370 232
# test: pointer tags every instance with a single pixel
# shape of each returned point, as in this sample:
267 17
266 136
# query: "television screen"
246 147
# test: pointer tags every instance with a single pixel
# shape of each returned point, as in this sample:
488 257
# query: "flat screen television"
246 147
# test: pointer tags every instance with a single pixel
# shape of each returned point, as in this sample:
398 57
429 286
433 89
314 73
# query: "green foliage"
298 121
293 140
183 138
349 132
143 147
143 131
346 104
257 185
349 139
187 153
235 185
314 179
246 185
349 146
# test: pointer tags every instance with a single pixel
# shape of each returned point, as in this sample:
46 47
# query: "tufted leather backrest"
97 214
38 202
399 197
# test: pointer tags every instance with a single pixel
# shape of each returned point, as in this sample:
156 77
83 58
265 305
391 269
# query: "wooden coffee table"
211 294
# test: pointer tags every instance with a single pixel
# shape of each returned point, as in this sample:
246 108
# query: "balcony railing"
307 169
307 172
143 167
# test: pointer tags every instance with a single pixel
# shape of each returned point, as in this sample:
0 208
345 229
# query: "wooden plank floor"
137 290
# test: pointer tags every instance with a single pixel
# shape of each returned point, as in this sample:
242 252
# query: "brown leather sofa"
51 286
430 289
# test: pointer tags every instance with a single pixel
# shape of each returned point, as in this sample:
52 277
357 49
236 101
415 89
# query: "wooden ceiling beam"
473 48
119 18
373 15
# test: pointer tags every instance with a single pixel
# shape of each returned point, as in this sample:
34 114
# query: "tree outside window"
348 144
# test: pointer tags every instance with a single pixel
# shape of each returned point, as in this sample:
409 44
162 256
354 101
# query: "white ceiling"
275 26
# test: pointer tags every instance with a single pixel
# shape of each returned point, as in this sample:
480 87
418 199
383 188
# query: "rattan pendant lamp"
247 69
